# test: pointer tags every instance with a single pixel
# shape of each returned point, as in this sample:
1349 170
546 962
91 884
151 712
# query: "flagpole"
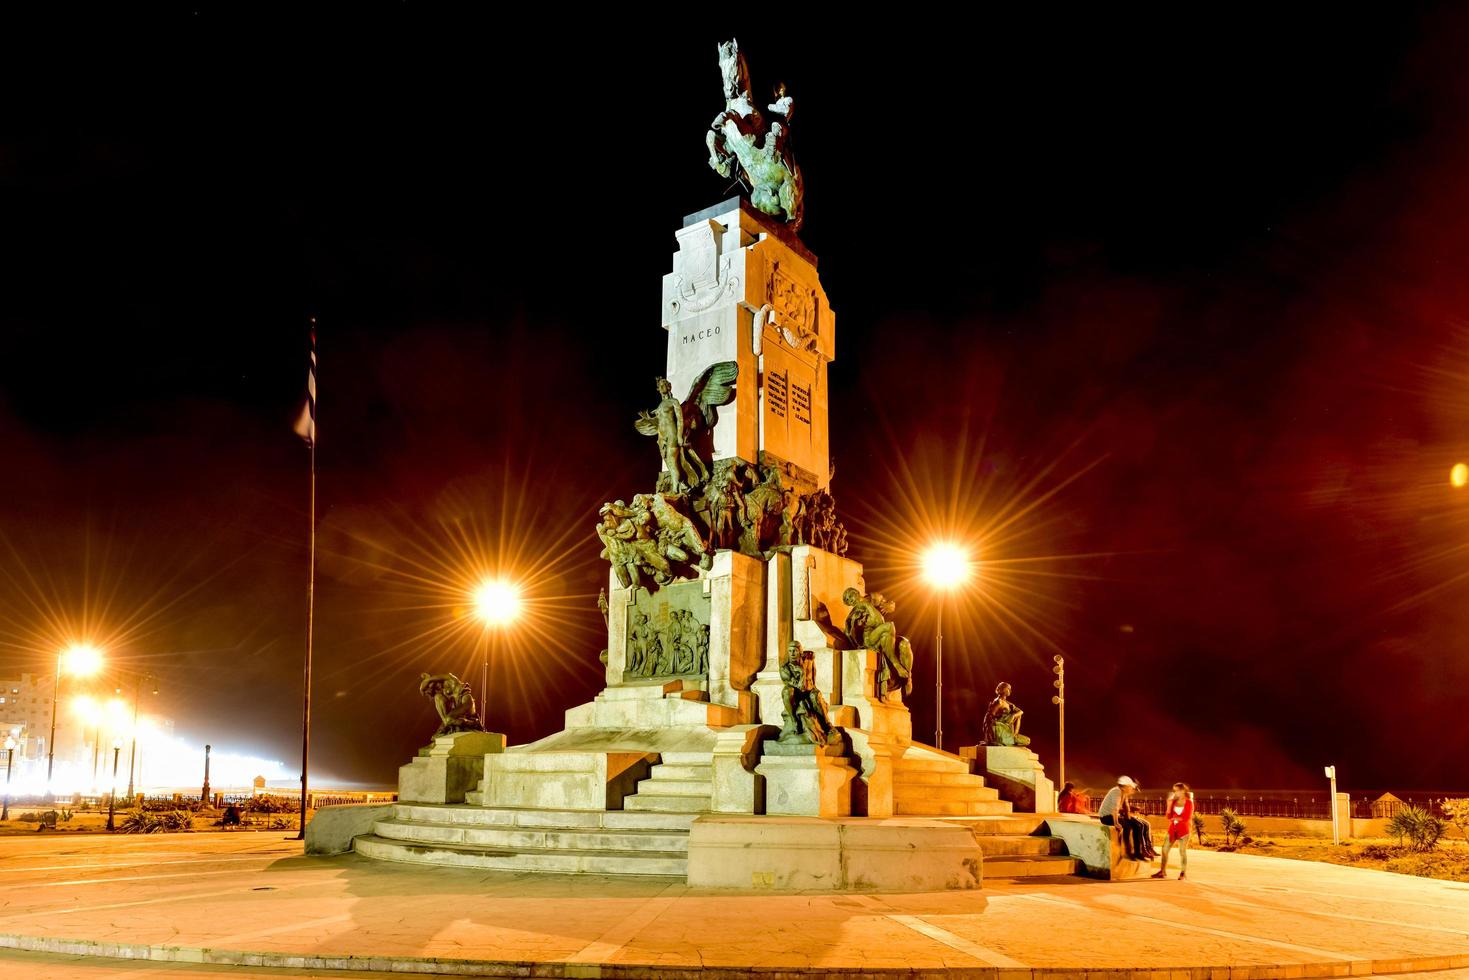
310 600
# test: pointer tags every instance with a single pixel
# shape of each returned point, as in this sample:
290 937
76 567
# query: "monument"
751 730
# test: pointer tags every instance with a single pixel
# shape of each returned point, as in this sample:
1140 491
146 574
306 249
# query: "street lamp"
112 796
133 752
497 604
1059 700
946 566
1459 475
80 660
9 761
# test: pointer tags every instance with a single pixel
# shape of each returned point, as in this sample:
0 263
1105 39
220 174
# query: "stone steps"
461 855
1030 866
1005 845
514 838
948 808
933 777
532 839
681 782
1004 824
943 792
644 801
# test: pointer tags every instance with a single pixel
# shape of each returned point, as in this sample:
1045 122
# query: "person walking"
1180 825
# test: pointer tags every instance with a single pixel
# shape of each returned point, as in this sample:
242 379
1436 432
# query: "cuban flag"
306 424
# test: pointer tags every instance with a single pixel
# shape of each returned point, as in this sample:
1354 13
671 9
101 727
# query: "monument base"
1016 772
448 767
841 855
802 779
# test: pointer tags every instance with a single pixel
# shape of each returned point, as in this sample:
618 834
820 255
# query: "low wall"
1285 826
333 828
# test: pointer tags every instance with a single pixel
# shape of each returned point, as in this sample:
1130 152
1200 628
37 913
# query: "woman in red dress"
1180 824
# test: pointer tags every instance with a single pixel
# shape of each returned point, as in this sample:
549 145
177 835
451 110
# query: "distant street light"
9 761
1059 700
133 752
204 795
1459 475
497 604
80 660
946 567
112 796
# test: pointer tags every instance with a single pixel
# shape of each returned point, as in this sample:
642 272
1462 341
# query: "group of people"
1119 810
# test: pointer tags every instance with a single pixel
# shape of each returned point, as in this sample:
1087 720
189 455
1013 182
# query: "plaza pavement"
72 906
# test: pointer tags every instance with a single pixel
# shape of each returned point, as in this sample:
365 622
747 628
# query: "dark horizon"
1193 293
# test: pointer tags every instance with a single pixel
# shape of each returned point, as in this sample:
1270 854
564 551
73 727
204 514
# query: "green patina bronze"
1002 720
668 633
744 146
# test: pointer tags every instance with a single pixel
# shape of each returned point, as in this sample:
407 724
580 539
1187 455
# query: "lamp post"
112 796
1335 820
133 752
946 566
80 660
9 761
497 604
1059 700
204 796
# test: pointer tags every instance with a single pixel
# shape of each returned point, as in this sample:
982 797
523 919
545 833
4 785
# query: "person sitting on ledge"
1114 813
1073 800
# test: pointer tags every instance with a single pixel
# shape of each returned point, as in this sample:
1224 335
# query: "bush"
1417 828
270 804
1199 827
1457 813
1234 827
143 822
173 806
1380 852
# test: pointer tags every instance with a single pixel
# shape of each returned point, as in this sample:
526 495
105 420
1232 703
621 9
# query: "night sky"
1167 316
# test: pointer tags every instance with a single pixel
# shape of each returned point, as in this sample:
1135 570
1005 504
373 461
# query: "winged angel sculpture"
741 143
676 424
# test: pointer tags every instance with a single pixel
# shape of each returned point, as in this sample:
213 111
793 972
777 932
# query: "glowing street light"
946 566
79 660
497 604
82 660
1459 475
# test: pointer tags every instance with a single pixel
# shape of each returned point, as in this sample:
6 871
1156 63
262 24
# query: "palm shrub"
1199 827
1234 827
1416 827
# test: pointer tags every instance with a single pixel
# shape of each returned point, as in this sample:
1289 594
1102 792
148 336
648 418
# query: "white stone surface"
1017 773
448 768
811 853
736 630
818 782
1099 848
738 788
738 293
332 828
588 780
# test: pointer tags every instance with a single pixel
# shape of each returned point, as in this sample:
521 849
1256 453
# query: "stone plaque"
668 633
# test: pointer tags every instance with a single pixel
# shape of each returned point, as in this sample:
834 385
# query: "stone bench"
1098 847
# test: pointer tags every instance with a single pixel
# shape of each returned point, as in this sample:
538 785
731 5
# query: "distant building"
25 712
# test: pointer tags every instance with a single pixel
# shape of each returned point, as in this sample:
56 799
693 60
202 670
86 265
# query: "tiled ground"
227 895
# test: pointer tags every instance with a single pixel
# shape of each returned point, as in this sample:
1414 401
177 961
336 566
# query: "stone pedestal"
1017 773
790 853
448 767
807 780
736 786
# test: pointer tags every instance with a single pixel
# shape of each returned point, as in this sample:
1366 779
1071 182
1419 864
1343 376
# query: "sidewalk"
252 899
